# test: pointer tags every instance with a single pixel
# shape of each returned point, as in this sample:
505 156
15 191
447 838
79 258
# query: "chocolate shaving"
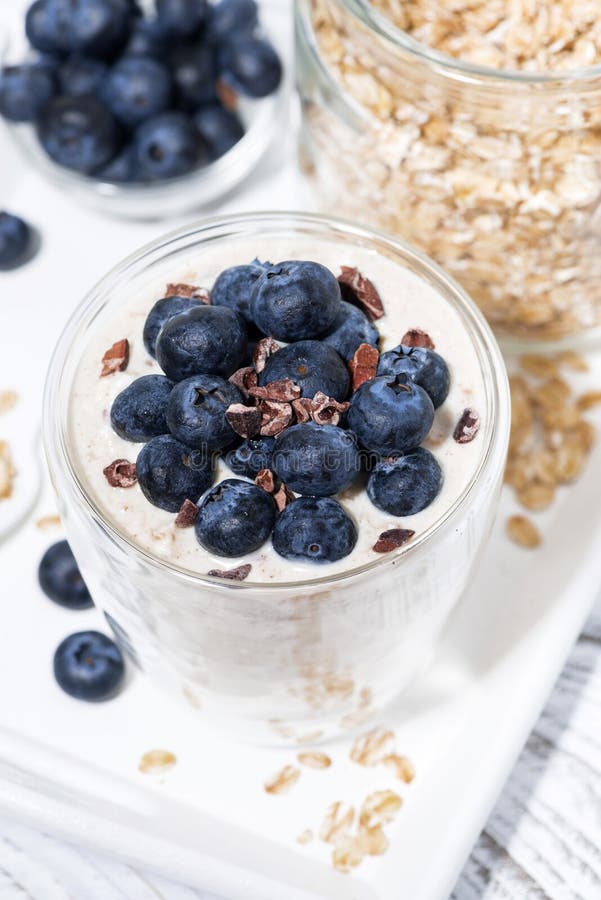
282 497
187 514
188 290
417 337
265 479
302 407
116 358
392 539
283 389
240 573
226 94
364 364
326 410
244 379
121 473
275 417
264 348
467 427
245 420
360 291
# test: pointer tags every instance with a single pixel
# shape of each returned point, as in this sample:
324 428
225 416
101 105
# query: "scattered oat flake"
371 748
417 337
574 361
188 290
116 358
360 291
314 759
540 366
379 808
8 400
240 573
187 515
337 822
265 479
363 365
121 473
401 766
392 539
523 531
372 841
283 781
7 471
536 496
305 837
347 854
245 420
588 400
45 522
265 348
157 762
467 427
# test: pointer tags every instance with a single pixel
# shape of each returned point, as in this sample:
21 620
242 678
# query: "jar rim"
57 389
485 76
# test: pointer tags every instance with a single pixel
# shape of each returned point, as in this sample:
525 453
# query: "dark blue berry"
91 27
316 459
350 329
161 312
181 18
205 340
169 473
123 169
146 39
60 578
251 66
89 666
235 518
194 76
295 300
78 133
313 366
139 412
196 412
231 17
316 529
25 91
80 75
15 241
168 146
251 456
390 415
233 287
405 485
46 27
219 128
136 88
423 366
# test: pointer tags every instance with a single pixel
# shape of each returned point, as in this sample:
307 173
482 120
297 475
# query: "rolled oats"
371 748
523 532
7 471
283 780
379 808
401 766
337 822
314 760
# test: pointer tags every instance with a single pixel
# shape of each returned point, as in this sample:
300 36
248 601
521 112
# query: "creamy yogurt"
409 302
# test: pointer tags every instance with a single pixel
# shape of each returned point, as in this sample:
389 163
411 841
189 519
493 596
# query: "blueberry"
168 146
25 91
46 26
139 412
350 329
15 241
390 415
181 18
295 300
161 312
204 340
146 39
122 169
60 578
316 529
80 75
405 485
89 666
233 287
235 518
136 88
219 128
78 133
251 66
196 412
251 456
194 76
313 366
229 17
316 459
169 472
423 366
96 28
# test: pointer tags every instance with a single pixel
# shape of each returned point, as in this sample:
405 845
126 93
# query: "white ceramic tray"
71 769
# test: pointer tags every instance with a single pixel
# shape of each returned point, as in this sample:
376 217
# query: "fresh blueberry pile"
322 414
126 98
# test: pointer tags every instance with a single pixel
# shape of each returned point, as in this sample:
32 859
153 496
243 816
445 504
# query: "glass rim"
54 432
488 76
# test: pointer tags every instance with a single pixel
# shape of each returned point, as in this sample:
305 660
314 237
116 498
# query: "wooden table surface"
543 840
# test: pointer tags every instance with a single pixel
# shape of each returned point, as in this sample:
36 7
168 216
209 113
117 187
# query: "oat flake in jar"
472 129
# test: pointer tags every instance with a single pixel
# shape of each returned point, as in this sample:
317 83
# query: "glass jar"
496 175
298 660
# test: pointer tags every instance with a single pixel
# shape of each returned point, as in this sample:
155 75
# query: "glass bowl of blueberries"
142 108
